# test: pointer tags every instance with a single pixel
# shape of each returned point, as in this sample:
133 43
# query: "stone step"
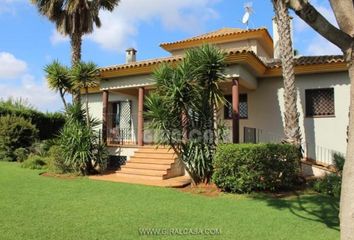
147 166
138 177
155 150
144 180
144 172
155 155
167 162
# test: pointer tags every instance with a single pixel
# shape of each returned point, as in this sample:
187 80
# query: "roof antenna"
248 11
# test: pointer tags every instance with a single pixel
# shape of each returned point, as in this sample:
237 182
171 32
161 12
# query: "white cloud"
122 25
8 6
10 66
36 93
57 37
321 46
24 85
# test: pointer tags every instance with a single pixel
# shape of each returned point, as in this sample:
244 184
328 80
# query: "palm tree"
84 76
58 79
74 18
291 115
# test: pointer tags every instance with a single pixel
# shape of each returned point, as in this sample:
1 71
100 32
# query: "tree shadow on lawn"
315 207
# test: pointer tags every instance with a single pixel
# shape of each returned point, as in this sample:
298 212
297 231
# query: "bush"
48 124
35 162
15 132
331 184
242 168
56 161
21 154
81 147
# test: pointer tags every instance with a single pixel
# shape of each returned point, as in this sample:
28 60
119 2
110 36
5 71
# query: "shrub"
48 124
35 162
331 184
56 161
21 154
15 132
242 168
80 144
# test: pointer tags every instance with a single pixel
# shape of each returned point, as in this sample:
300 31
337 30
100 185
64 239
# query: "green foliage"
80 143
21 154
331 184
35 162
58 78
181 109
48 124
15 132
56 161
243 168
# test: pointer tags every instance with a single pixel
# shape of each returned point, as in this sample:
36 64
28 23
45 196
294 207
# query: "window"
243 107
319 102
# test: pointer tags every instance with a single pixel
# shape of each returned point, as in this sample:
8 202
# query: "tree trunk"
87 108
63 98
347 194
76 42
291 115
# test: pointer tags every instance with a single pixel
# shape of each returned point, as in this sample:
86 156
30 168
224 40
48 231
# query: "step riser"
134 176
147 166
155 155
151 161
155 173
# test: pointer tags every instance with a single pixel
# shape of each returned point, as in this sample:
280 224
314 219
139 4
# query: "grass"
38 207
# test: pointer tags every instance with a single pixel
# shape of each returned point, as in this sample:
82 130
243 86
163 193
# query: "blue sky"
29 41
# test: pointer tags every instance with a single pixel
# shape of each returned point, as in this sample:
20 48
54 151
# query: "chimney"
276 38
130 56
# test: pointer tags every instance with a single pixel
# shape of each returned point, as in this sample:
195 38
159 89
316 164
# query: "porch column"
105 96
235 111
141 116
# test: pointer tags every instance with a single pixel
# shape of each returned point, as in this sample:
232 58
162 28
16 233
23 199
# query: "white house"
254 82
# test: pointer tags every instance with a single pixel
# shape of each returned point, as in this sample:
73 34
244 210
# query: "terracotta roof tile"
171 59
309 60
218 33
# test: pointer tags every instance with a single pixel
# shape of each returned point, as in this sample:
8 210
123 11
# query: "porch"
123 123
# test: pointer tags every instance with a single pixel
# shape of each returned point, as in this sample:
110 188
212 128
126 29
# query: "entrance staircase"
152 163
151 166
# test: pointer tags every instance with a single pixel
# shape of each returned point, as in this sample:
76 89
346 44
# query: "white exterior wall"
266 110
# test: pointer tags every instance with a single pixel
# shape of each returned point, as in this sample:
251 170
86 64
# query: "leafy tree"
74 18
342 37
84 76
182 108
58 79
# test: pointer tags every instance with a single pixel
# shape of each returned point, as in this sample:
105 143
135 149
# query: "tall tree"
58 79
74 18
291 114
343 37
84 76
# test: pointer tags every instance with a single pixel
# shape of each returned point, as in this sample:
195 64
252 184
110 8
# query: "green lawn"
38 207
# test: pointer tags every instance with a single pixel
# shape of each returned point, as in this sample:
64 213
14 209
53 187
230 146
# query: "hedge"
48 124
243 168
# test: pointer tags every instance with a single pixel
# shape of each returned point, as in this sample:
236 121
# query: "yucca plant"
82 149
84 75
58 78
186 99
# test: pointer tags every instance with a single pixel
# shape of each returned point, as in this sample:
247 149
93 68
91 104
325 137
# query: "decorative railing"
120 136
